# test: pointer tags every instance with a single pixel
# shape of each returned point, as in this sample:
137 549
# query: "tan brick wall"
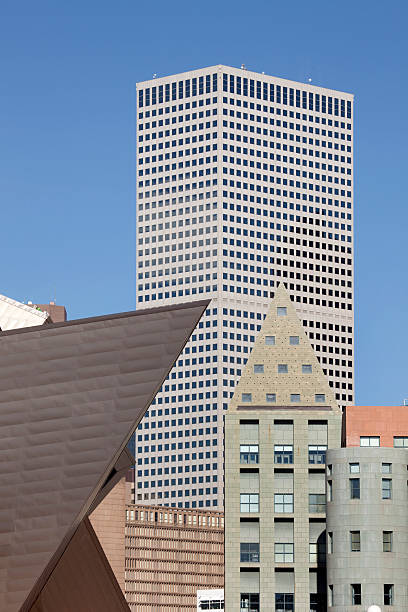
108 521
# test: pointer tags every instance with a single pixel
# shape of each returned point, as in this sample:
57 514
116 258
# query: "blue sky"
67 142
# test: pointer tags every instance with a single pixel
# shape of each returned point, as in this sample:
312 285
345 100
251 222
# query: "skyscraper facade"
243 181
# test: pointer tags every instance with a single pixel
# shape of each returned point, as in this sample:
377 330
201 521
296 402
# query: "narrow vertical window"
356 594
354 488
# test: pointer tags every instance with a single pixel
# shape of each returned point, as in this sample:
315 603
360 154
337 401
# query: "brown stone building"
170 554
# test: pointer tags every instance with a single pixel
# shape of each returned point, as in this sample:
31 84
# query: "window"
271 398
354 468
317 552
388 594
355 541
282 311
258 368
295 397
270 340
284 553
386 468
249 502
387 541
247 397
354 488
284 602
331 599
317 602
356 594
306 368
317 454
282 368
320 397
283 502
249 602
330 542
400 441
293 340
386 488
369 440
249 453
283 453
317 502
329 491
250 552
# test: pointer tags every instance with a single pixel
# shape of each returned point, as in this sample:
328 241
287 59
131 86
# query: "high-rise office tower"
243 181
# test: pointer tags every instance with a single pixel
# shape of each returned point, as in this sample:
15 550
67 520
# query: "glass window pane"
282 311
282 368
258 368
270 340
293 340
306 368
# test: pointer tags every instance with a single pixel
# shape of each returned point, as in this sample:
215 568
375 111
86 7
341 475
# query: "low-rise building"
171 554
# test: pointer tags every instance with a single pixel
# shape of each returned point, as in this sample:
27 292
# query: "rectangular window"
306 368
295 397
387 541
354 468
317 502
258 368
284 602
270 340
330 542
329 491
369 440
317 552
282 368
283 453
355 543
354 488
331 599
249 502
388 594
246 397
283 502
293 340
249 453
282 311
386 468
320 397
356 594
271 398
249 602
284 553
317 454
249 552
386 488
400 441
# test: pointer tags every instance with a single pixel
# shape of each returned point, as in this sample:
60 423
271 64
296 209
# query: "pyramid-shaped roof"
282 369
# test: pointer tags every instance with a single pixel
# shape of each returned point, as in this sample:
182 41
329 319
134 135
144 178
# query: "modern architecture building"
14 315
71 395
244 180
367 511
171 556
281 420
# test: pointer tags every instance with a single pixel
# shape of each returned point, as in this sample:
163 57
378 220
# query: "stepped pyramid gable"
272 349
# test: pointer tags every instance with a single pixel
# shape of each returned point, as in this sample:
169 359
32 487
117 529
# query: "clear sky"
67 142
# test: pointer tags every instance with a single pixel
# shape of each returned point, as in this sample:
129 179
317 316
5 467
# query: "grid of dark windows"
179 90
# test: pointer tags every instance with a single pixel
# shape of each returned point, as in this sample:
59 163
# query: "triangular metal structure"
71 395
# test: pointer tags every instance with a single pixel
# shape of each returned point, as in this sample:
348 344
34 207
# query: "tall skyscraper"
243 181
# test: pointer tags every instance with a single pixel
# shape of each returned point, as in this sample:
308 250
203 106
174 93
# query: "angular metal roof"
71 395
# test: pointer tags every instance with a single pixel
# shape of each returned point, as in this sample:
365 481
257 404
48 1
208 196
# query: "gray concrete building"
244 180
367 528
281 420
